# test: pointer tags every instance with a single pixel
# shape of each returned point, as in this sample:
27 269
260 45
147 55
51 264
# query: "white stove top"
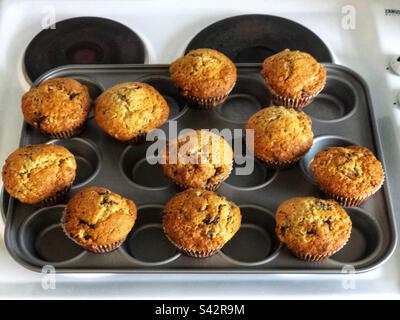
166 27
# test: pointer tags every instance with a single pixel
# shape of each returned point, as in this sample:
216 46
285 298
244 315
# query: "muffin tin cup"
147 243
59 197
87 156
40 231
246 98
255 243
135 167
366 237
337 102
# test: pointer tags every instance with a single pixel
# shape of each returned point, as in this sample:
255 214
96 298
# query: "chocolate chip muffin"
128 111
98 219
281 136
294 78
312 229
39 174
58 107
350 175
199 159
204 77
200 222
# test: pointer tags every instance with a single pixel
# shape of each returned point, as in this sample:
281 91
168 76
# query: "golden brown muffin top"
56 105
96 216
198 159
348 171
36 172
280 134
308 225
200 220
294 74
203 73
130 109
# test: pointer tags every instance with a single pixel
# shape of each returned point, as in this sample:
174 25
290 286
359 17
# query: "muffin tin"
342 115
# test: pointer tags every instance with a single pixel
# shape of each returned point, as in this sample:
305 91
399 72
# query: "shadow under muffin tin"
341 114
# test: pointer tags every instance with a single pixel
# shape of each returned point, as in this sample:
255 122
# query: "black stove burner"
254 37
84 40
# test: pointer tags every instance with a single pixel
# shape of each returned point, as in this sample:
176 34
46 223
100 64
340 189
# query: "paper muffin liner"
104 248
349 201
141 138
294 103
315 258
192 253
346 201
278 165
55 199
206 104
65 134
101 248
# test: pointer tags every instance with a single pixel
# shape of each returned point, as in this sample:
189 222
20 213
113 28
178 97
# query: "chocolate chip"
91 226
312 232
73 95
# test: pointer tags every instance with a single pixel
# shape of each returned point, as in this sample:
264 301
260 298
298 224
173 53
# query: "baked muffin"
281 136
205 77
98 219
58 107
39 174
350 175
200 222
294 78
199 159
312 229
128 111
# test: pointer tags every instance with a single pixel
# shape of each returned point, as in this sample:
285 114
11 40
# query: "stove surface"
166 27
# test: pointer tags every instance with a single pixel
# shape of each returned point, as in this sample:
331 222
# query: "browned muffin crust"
294 74
212 157
130 109
204 73
56 105
312 227
37 172
280 134
350 172
200 220
98 217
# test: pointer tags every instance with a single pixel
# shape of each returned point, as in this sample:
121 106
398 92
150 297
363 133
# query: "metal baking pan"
342 114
